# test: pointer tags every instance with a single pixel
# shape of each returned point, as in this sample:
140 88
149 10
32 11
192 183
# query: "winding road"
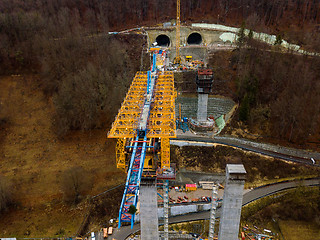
298 156
254 194
284 153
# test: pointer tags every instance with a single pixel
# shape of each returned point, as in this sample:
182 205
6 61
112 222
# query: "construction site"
145 124
190 149
150 117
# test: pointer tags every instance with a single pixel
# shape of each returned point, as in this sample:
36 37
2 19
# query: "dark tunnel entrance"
194 39
163 40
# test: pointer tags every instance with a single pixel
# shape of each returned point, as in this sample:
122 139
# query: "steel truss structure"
161 121
146 118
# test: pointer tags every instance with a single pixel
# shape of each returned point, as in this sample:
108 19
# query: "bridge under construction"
144 125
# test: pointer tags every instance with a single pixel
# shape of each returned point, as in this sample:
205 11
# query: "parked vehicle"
110 230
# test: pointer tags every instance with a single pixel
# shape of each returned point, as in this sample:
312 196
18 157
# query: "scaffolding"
166 209
213 212
120 154
161 121
126 121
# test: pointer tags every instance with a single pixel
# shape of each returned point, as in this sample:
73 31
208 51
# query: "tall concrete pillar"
202 107
232 202
148 212
204 80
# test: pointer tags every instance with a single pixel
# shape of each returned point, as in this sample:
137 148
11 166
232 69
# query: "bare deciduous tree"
76 182
6 197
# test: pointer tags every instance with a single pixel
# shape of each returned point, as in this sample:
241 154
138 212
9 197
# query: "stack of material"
206 185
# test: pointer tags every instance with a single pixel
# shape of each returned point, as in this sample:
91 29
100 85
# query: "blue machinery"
144 125
182 124
131 192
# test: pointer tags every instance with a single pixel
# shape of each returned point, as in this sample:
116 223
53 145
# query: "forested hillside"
80 67
278 93
65 41
291 17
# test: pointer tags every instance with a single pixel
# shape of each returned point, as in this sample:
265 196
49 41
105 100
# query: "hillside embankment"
277 93
37 158
34 159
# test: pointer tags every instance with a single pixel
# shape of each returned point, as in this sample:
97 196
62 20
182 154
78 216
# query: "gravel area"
194 194
185 177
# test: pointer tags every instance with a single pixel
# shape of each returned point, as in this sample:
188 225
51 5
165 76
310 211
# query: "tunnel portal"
163 40
194 39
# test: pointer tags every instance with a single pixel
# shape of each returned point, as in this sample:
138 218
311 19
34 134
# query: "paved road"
270 189
284 153
257 193
280 153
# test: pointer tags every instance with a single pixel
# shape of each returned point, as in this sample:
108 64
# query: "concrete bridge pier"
202 107
232 202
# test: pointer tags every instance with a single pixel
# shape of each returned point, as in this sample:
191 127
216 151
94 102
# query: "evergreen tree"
278 40
241 35
244 109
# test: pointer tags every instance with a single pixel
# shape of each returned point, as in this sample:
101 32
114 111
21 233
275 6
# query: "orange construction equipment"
191 187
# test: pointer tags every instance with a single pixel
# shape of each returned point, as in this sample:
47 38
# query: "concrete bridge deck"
149 215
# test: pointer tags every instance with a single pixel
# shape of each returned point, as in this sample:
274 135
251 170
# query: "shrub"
132 209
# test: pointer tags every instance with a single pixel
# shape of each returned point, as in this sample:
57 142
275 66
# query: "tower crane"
177 59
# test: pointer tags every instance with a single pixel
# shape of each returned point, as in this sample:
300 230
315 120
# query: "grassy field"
291 214
33 159
296 230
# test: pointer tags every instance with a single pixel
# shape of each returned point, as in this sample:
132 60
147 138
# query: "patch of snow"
227 36
230 33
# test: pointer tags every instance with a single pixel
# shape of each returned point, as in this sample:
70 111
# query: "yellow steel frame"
165 153
162 114
126 121
120 154
161 123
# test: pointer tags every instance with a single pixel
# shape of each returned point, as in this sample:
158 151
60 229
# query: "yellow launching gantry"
144 125
161 124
